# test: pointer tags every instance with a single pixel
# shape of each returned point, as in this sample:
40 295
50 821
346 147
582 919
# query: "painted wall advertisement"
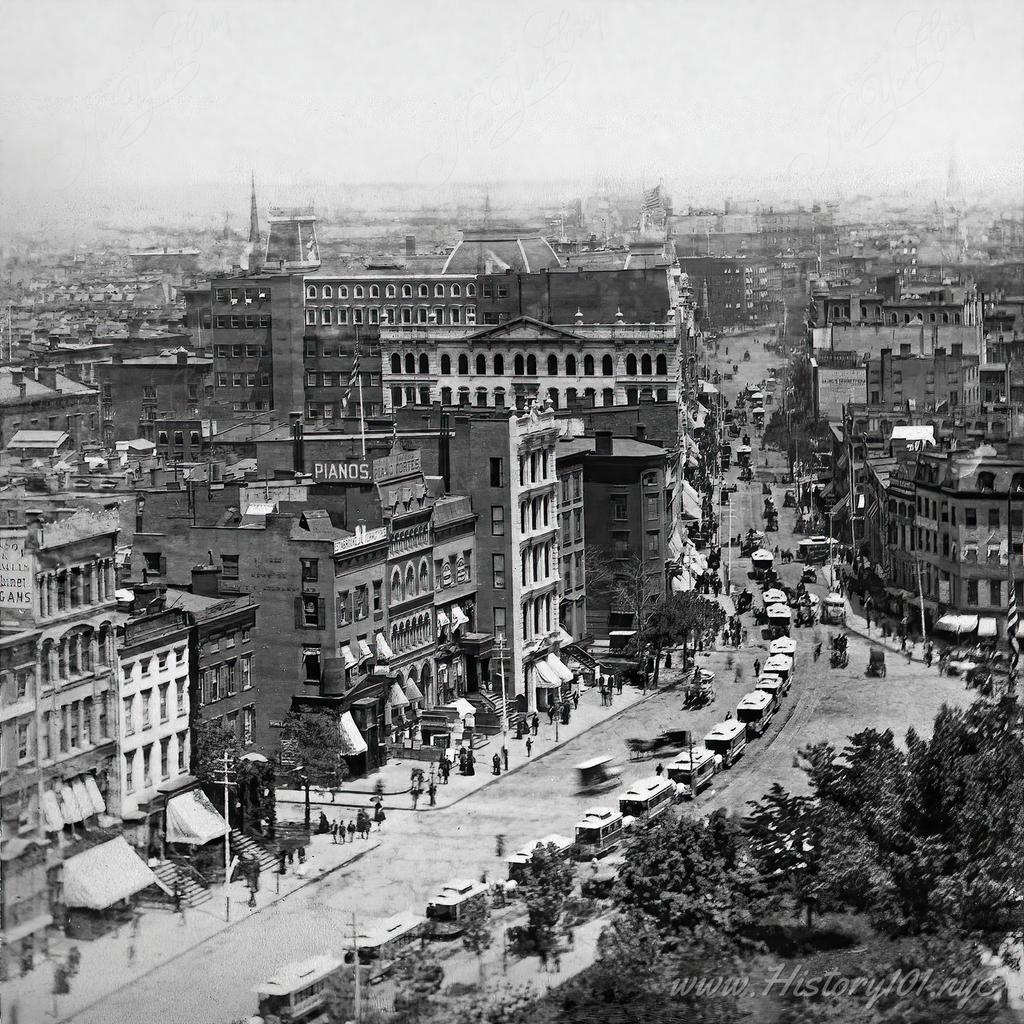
16 586
839 387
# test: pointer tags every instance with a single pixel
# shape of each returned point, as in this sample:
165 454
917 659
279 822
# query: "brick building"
46 399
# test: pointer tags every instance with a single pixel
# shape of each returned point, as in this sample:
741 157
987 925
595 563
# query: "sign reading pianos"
347 471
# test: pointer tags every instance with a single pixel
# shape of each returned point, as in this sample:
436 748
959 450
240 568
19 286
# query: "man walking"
504 755
529 746
575 700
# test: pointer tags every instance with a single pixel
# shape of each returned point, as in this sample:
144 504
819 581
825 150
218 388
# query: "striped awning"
352 742
384 651
397 697
364 650
412 691
350 659
105 875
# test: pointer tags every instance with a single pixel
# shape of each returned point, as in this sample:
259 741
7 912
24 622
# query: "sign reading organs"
15 573
353 471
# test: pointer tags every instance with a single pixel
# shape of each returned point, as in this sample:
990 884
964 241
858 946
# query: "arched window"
424 576
608 396
553 395
986 481
519 366
424 291
328 292
406 291
499 398
463 364
524 568
481 365
374 291
424 363
531 366
570 365
570 396
661 366
359 292
552 366
523 518
499 366
396 586
607 366
342 291
631 365
471 289
456 291
588 366
410 363
438 291
410 582
645 365
892 318
446 396
396 363
446 364
463 396
632 396
389 291
311 291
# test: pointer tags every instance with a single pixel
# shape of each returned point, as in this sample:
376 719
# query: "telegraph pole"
226 772
356 1007
500 644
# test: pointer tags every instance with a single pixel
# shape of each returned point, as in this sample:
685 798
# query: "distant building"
741 292
46 399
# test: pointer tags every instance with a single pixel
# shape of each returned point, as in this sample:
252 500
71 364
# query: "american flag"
1011 626
353 380
652 200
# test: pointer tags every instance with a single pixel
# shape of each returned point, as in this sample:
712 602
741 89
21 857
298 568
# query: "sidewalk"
396 774
120 959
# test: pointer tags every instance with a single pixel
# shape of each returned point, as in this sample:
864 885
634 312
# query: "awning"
555 664
105 875
397 697
958 623
384 651
691 508
463 707
412 691
51 812
82 798
364 650
69 808
682 582
442 619
563 637
99 805
690 493
192 819
350 659
352 742
546 676
987 626
459 617
676 544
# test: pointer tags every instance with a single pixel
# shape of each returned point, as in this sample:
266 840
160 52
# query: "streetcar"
756 710
727 741
648 798
459 902
692 770
598 832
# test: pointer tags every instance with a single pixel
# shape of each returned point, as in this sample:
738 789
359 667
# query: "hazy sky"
98 94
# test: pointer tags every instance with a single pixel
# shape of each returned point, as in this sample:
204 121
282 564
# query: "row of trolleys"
599 832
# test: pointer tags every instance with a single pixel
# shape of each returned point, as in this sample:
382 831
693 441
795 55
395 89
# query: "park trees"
548 887
680 618
312 748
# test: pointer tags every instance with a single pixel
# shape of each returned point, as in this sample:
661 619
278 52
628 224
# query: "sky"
107 97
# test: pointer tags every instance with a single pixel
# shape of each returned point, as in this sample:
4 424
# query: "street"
417 852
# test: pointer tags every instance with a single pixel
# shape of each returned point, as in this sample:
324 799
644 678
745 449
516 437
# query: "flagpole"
362 418
1011 599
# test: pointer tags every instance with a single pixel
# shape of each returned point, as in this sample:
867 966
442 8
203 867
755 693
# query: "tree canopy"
314 743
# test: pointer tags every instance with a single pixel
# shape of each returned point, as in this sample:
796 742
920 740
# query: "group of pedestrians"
360 826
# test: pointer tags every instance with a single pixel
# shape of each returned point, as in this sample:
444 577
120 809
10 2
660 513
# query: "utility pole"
500 644
226 771
356 1007
920 595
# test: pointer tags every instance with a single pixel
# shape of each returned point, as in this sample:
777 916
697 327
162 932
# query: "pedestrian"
543 958
535 723
757 667
817 650
496 764
256 875
529 746
618 683
575 702
351 831
470 763
415 794
281 863
432 793
179 903
446 770
334 833
462 760
252 899
551 714
659 769
504 755
378 815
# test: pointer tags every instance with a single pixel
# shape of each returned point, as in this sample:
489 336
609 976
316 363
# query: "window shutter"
321 613
298 613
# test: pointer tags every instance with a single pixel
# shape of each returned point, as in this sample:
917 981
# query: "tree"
549 884
477 937
680 616
637 589
418 977
314 744
210 739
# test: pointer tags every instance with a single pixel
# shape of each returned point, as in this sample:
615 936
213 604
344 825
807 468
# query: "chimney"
602 442
181 358
206 580
410 245
17 378
298 453
641 432
149 597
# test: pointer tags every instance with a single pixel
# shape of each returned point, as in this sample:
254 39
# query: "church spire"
254 221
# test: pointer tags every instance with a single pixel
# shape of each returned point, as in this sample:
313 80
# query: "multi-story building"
739 291
572 614
509 461
507 365
940 381
46 399
140 396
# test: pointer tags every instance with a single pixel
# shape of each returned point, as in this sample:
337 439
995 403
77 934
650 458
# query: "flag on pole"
652 201
1012 622
353 380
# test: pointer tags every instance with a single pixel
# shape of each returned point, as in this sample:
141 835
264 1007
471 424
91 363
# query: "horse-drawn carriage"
744 601
840 656
876 662
700 690
789 500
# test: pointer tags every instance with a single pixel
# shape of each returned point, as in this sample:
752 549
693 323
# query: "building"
572 610
940 381
160 398
740 291
46 399
508 463
507 365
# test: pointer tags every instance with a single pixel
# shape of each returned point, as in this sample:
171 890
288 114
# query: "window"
498 571
128 714
246 663
164 709
620 508
377 589
311 664
22 741
497 521
344 608
578 523
362 601
147 708
310 608
993 518
970 517
180 703
620 544
311 317
358 292
229 565
423 291
497 472
653 543
994 596
165 768
129 772
182 741
310 570
653 511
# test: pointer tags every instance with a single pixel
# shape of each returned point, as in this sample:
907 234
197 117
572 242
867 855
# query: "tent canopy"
192 819
105 875
561 672
352 742
958 623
